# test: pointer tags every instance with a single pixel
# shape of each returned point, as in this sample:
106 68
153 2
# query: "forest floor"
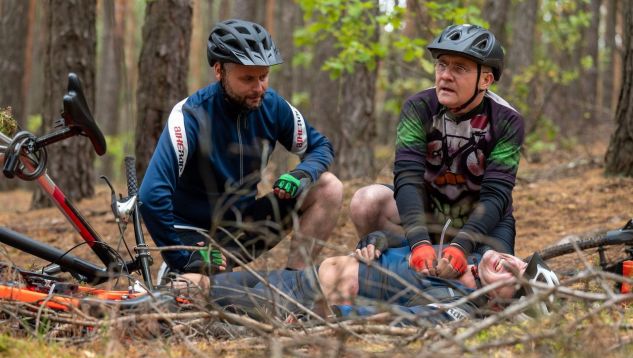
562 194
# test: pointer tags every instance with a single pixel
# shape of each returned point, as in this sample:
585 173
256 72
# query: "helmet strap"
475 271
477 92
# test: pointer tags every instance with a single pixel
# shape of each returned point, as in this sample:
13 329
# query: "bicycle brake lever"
113 200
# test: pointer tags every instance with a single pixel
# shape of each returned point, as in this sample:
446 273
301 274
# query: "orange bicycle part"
66 303
16 294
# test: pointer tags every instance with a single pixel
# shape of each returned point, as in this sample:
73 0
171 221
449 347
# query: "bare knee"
368 207
328 191
331 189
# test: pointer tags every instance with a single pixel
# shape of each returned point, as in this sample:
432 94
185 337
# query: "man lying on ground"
351 287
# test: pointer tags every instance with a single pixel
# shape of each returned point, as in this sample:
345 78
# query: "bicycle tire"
618 237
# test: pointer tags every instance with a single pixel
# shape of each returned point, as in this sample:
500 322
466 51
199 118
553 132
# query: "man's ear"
486 80
217 70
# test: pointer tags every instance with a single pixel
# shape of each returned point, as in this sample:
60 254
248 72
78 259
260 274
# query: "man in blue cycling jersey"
351 287
456 158
203 176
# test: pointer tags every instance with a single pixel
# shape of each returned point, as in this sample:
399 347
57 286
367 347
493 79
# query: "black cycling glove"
382 240
206 262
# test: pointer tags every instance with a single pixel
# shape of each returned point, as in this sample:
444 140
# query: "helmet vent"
242 30
455 36
266 44
252 43
482 45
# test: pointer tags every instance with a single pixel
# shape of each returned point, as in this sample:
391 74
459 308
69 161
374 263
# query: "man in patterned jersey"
203 176
457 155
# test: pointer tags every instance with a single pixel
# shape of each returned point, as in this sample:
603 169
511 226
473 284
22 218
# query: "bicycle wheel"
607 252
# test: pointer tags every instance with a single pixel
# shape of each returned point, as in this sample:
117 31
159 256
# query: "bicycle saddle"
78 117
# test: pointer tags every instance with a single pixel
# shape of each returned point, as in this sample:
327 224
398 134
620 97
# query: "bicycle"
610 257
24 157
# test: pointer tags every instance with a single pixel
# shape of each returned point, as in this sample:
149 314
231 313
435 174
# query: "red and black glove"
453 262
423 259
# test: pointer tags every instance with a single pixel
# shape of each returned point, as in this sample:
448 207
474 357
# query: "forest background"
348 67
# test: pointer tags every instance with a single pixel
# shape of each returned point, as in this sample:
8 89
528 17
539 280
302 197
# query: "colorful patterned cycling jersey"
456 156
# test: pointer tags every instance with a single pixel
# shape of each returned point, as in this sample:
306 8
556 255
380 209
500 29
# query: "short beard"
234 99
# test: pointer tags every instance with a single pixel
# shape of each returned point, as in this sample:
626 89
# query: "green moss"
33 348
8 125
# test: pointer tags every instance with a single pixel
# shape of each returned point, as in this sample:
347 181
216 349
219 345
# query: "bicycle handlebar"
76 120
130 172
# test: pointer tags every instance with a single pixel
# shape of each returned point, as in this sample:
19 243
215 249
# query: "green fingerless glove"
206 261
211 256
293 182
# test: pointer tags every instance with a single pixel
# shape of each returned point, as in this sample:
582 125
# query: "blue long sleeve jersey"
210 155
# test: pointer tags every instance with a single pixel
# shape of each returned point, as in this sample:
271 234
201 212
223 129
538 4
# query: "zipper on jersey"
239 141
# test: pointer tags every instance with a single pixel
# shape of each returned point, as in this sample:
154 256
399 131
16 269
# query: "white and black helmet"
242 42
472 41
538 271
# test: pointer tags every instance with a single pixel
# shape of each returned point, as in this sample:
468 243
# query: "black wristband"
463 239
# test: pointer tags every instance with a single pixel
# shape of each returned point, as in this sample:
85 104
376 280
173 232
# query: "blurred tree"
589 65
204 17
163 67
399 79
343 108
249 10
14 61
607 108
15 18
517 76
618 158
289 80
109 75
618 54
496 14
70 47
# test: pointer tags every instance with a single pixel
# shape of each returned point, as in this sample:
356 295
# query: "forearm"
318 157
409 195
495 201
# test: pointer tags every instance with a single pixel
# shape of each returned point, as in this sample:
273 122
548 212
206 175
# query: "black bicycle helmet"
242 42
472 41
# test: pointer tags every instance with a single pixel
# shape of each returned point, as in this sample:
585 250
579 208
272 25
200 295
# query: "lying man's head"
495 267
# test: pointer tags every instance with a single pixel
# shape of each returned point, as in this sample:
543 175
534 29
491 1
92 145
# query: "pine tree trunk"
619 160
200 73
286 79
249 10
589 76
496 13
344 111
70 47
163 68
520 47
109 78
13 39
